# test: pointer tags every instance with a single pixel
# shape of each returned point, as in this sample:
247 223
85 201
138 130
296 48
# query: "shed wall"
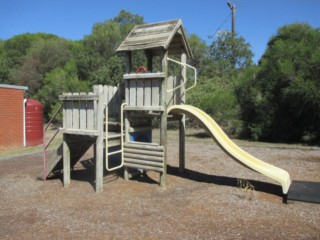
11 117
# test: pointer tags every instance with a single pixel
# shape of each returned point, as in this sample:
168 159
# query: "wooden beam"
163 121
136 76
78 97
99 143
182 122
66 161
79 132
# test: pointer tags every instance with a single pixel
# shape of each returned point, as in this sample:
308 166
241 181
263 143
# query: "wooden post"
66 162
67 122
99 142
163 123
126 119
182 123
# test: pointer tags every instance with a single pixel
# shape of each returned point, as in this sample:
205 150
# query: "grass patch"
27 150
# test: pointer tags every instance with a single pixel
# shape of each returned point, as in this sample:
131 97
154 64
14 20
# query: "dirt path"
204 203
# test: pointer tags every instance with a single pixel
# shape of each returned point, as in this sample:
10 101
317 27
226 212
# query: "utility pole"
233 9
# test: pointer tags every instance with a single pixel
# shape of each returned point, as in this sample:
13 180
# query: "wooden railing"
83 112
144 91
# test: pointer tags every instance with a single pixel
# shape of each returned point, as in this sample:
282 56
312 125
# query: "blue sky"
256 20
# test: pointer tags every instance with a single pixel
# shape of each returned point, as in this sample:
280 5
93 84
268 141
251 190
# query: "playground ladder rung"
143 157
144 167
143 162
144 146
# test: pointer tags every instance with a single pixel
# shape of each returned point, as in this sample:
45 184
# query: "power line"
218 29
265 3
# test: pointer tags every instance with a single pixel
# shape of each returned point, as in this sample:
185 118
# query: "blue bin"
141 136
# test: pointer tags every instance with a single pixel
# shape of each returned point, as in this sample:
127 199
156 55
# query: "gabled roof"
167 35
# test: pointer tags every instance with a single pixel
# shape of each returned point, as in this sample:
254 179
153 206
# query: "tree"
248 96
125 18
98 61
60 80
42 56
4 68
199 51
288 82
220 64
230 53
15 48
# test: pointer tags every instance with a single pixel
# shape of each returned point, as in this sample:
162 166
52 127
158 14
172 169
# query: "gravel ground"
205 202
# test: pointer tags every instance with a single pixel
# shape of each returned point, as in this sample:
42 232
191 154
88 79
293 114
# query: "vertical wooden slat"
155 92
64 112
95 106
127 91
140 93
69 106
83 113
133 93
105 94
112 101
105 97
147 92
90 114
75 113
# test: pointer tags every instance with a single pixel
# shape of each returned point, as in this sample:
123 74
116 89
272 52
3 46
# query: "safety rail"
121 140
184 82
46 145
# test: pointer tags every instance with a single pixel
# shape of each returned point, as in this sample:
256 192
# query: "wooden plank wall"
147 92
80 109
143 92
111 97
144 156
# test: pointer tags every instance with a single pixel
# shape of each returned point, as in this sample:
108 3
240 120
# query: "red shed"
34 123
12 116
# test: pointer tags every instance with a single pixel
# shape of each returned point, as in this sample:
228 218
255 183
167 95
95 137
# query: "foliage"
230 53
58 81
217 100
42 57
288 84
220 65
199 51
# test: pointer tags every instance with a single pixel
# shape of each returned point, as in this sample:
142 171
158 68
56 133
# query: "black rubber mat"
304 192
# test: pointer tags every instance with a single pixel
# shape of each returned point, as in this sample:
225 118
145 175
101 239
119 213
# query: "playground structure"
123 126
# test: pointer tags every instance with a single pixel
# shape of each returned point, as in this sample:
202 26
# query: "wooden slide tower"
105 119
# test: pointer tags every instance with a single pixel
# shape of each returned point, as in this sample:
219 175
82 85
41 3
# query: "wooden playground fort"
115 125
118 121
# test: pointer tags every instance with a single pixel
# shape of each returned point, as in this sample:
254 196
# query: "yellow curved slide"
231 148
